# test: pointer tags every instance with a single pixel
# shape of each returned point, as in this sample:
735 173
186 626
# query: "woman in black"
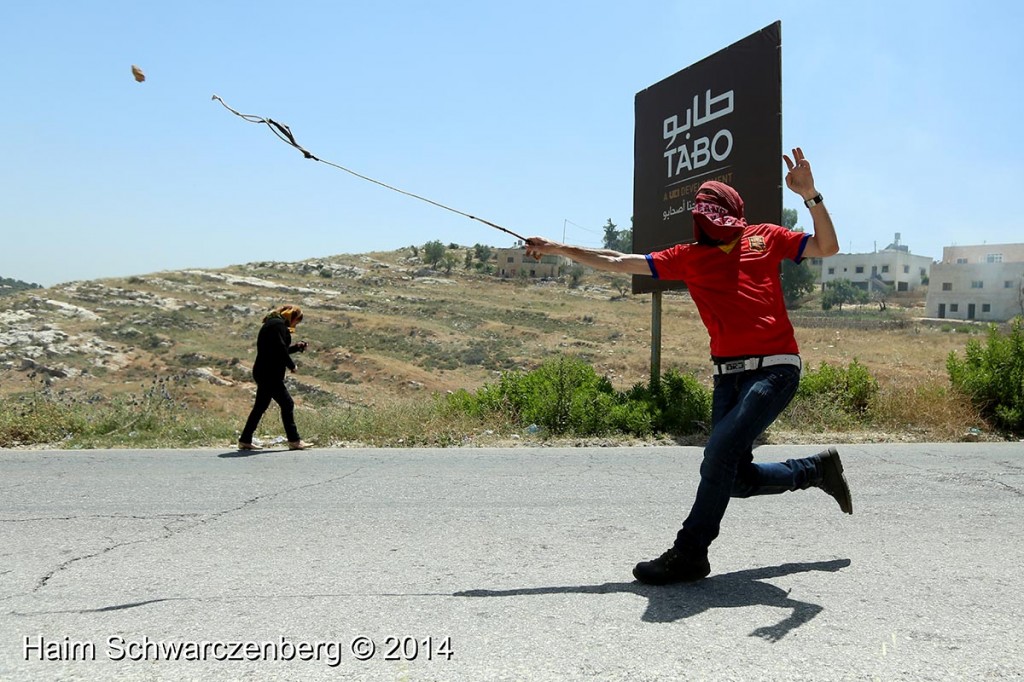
273 355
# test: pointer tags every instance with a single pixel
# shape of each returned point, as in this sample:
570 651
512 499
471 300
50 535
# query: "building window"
1008 284
961 261
986 307
906 270
815 261
832 271
954 307
885 268
977 284
859 269
994 258
511 259
947 286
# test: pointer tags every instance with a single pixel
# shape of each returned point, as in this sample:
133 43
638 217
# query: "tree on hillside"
575 275
617 240
840 291
797 278
433 252
623 286
9 285
449 261
611 235
880 293
625 241
482 252
789 218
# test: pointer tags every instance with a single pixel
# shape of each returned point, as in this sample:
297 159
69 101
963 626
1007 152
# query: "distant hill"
10 286
381 327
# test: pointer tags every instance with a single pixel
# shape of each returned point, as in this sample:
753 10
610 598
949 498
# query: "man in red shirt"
732 273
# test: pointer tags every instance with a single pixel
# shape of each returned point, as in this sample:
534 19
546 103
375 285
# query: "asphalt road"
493 564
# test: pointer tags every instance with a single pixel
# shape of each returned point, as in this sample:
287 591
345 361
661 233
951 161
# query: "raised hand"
799 178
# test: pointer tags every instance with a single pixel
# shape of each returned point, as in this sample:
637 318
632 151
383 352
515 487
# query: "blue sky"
518 112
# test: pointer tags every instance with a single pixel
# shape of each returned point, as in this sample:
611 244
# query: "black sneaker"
833 481
674 566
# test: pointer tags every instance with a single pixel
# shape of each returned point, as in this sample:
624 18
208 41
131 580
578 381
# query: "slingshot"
285 134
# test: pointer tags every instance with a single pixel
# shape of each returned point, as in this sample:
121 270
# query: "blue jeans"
743 406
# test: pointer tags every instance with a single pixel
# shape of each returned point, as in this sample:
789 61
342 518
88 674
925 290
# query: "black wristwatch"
814 201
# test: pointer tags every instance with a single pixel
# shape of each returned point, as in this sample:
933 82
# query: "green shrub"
992 376
561 396
566 396
833 397
852 387
151 418
33 418
678 404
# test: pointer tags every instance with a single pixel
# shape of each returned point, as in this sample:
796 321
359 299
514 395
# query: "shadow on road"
249 453
729 590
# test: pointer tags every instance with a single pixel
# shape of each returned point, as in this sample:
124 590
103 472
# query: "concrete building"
515 263
980 282
893 267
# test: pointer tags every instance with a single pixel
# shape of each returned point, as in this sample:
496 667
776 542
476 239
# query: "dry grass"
384 340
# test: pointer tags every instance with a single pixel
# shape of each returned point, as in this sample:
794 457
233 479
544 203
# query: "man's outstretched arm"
599 259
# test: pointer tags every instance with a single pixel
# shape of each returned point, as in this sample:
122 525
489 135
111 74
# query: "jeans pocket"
785 379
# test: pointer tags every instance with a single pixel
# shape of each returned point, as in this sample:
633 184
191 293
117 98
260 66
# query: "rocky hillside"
380 327
384 329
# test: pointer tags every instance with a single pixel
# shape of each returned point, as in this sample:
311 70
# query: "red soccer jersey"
738 294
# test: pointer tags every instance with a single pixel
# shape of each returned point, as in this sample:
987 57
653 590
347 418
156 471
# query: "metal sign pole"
655 338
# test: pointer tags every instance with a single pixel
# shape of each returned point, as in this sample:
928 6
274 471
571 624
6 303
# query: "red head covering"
718 214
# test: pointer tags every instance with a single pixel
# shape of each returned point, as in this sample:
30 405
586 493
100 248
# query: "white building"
893 267
981 282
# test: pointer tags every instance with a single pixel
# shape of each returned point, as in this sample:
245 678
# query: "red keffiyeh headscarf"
718 214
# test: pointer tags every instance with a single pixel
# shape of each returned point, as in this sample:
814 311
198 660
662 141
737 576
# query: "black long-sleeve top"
273 351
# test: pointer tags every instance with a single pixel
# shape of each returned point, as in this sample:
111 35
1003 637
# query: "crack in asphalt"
239 598
170 532
981 477
76 517
1014 490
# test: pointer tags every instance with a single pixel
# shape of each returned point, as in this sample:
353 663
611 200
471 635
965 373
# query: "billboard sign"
719 119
